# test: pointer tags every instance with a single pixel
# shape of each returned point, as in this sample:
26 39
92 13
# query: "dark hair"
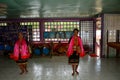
20 33
75 30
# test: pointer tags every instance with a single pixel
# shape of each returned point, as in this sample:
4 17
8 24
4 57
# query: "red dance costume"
21 52
75 49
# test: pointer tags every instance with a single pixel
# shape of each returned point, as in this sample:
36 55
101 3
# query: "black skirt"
74 58
21 60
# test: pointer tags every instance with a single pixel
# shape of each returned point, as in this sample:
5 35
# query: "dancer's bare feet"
73 74
77 72
26 71
21 72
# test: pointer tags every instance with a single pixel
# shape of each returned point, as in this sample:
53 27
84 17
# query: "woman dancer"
75 50
21 53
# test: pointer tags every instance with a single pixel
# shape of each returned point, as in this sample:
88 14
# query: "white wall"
112 23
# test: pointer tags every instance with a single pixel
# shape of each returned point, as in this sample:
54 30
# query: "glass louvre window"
112 36
59 31
3 24
87 33
33 30
3 37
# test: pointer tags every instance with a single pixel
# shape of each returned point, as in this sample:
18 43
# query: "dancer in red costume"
75 50
21 53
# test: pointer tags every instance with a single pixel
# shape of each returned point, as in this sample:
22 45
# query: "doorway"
98 36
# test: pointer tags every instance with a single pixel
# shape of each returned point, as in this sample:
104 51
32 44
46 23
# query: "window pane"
59 31
33 30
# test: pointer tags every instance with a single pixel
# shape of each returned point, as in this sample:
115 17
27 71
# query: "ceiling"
57 8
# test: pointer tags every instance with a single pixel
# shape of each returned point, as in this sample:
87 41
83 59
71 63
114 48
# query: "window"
33 30
2 31
3 24
59 31
112 36
87 33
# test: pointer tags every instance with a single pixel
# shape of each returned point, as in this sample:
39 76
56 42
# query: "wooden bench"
115 45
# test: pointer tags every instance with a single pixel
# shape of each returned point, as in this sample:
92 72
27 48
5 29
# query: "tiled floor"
57 68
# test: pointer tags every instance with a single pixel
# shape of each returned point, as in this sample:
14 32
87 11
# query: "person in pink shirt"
75 51
21 53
